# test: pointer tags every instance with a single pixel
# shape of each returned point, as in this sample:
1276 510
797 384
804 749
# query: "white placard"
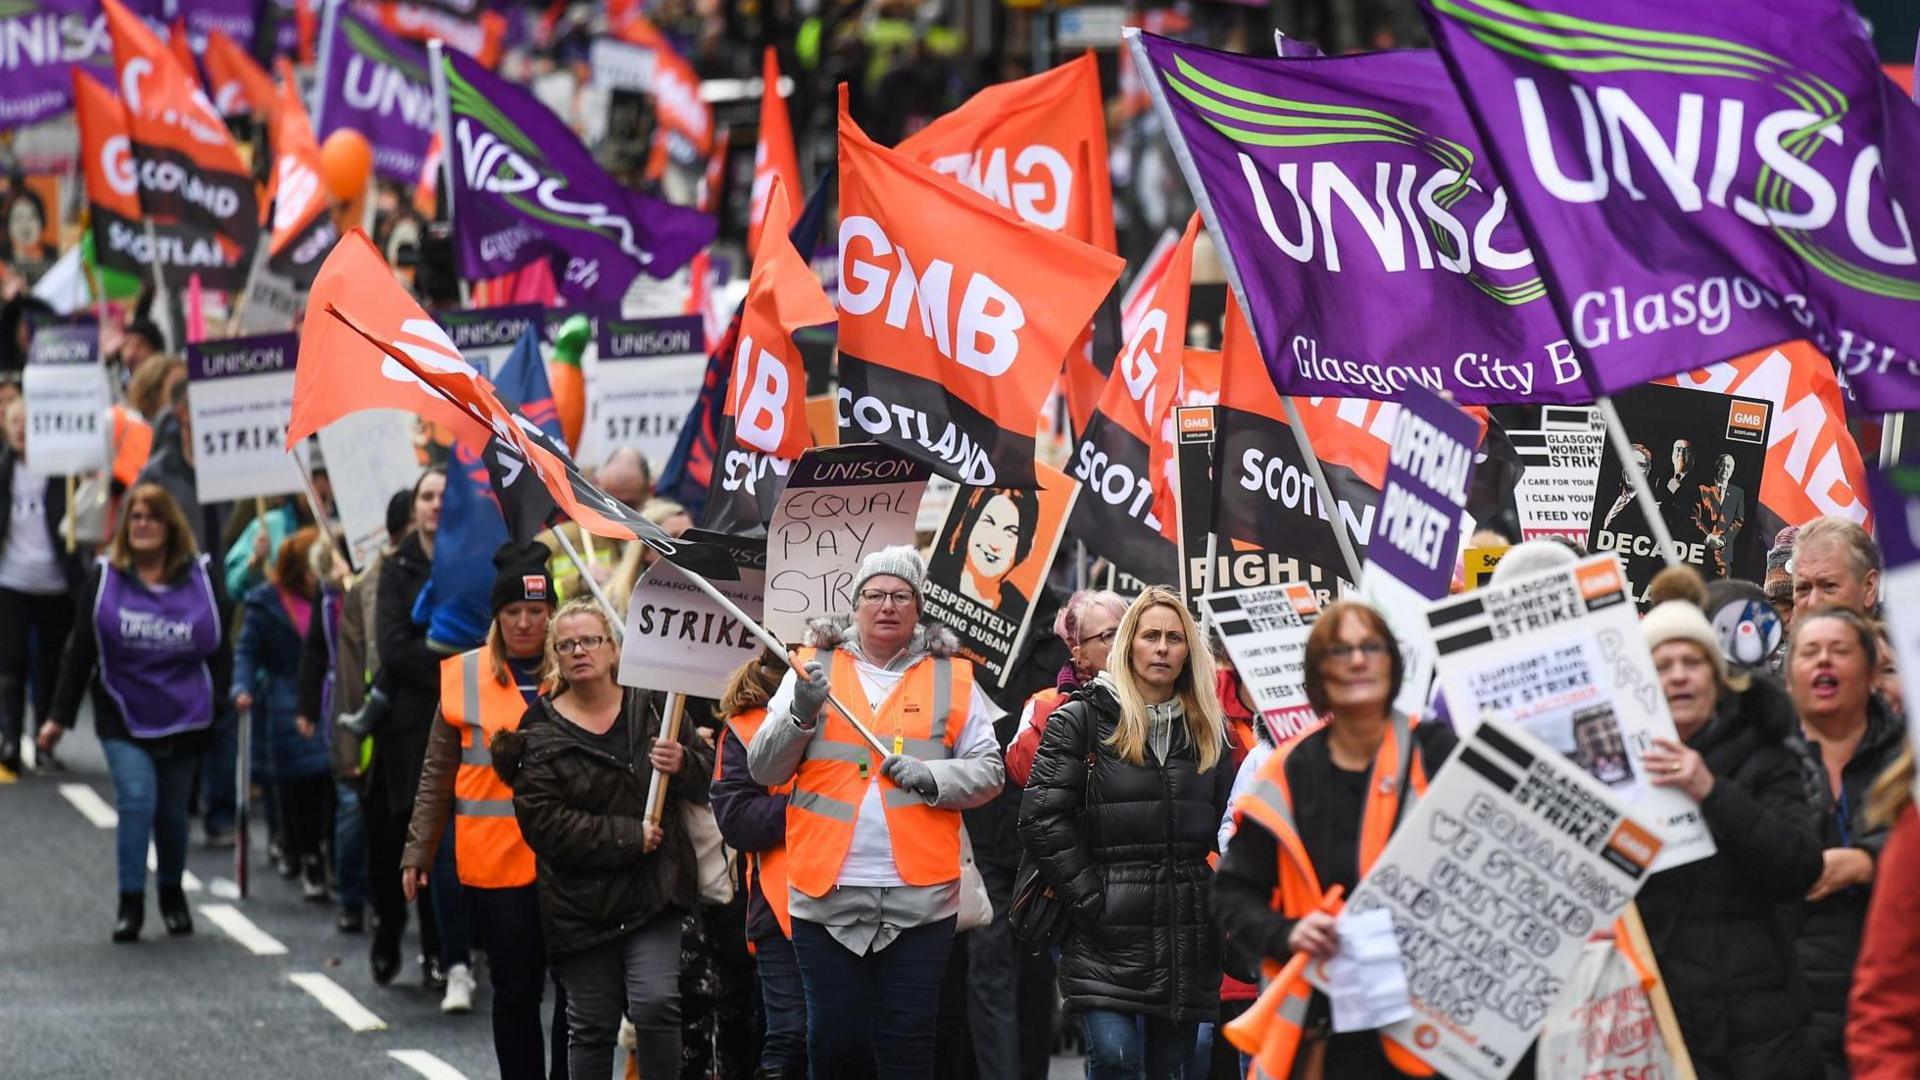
678 640
68 394
486 336
1554 496
240 395
841 502
369 456
620 65
1560 654
1494 879
1265 631
642 386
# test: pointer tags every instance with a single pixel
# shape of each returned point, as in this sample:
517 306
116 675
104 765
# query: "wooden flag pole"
1630 469
1320 484
1663 1013
676 712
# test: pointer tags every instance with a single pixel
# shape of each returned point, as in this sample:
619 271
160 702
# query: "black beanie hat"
521 575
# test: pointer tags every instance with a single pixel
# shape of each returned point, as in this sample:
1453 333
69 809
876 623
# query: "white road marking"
91 806
241 929
340 1003
224 889
188 882
426 1065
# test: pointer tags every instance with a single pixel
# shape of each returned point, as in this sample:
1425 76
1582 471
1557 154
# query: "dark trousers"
1037 1000
877 1009
306 816
386 839
993 968
783 1005
508 924
33 630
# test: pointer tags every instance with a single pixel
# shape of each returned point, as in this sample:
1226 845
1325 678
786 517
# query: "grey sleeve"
976 771
776 750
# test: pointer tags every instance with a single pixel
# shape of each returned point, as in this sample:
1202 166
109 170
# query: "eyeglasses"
579 644
1104 637
881 599
1372 650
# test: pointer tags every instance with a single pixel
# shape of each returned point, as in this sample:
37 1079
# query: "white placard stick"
676 711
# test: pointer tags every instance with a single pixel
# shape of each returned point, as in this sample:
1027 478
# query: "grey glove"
910 774
809 694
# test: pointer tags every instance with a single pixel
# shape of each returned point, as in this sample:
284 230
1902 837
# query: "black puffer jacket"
410 673
1132 864
1830 934
581 812
1717 925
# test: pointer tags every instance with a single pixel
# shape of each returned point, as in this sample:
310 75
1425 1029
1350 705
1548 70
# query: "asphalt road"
74 1004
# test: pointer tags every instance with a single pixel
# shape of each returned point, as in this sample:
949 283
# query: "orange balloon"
346 164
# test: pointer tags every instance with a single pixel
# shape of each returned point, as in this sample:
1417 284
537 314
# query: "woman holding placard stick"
1320 813
1715 925
614 888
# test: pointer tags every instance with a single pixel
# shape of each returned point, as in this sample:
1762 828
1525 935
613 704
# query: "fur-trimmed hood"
836 632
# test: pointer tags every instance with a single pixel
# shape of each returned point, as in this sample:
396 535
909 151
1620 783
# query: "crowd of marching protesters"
803 901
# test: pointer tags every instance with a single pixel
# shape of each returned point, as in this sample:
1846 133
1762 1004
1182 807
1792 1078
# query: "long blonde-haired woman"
1130 780
614 889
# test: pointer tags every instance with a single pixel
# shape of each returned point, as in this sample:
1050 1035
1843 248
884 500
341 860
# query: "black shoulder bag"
1038 916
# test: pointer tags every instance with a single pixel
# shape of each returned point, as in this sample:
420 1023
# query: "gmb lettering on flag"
376 84
524 188
955 315
238 85
1344 194
1765 152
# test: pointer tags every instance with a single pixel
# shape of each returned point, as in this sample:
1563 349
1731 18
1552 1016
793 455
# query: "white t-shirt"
27 562
870 859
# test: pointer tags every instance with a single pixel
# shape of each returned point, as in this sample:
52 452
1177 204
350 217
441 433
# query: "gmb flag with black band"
1703 179
955 315
524 188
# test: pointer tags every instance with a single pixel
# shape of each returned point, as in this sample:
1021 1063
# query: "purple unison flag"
1703 179
376 84
39 41
524 188
238 19
1360 225
1416 533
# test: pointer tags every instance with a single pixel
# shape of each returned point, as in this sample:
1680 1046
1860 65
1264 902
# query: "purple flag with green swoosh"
524 188
1365 234
1703 179
376 84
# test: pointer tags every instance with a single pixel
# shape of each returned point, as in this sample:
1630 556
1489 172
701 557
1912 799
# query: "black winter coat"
1718 926
1130 861
1831 930
410 673
581 811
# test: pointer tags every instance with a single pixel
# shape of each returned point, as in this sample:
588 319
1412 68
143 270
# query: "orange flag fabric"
955 315
684 123
774 156
303 227
766 397
238 85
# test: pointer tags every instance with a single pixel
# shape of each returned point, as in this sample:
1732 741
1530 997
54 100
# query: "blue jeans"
349 846
151 794
1124 1046
216 770
450 904
783 1003
877 1009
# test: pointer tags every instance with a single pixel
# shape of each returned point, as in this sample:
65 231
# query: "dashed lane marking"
241 929
426 1065
91 806
342 1004
188 881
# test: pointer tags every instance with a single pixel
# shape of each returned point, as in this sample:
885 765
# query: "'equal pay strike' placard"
67 394
240 393
1495 879
1265 631
678 639
1416 533
841 503
1560 654
642 387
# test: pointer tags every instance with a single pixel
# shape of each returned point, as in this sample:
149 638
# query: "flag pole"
329 15
1320 485
443 124
160 295
1893 431
1642 491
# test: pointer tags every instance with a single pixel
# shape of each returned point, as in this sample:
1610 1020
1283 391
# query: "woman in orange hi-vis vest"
484 691
873 841
753 821
1318 815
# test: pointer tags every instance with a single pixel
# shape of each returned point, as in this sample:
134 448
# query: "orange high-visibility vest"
1273 1036
488 849
926 711
769 867
132 444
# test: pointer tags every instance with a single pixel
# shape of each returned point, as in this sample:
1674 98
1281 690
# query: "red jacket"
1883 1016
1021 751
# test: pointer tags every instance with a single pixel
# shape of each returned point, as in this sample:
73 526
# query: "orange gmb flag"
106 159
685 123
340 372
774 157
955 315
238 85
1037 146
767 395
303 228
182 50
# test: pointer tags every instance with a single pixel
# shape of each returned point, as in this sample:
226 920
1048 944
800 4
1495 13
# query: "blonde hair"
1891 791
751 685
579 605
1206 730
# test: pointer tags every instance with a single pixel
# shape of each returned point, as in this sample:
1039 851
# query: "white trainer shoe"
460 987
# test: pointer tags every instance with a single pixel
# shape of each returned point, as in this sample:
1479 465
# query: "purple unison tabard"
1703 179
1361 225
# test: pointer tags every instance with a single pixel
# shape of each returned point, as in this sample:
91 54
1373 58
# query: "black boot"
174 913
133 913
384 957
